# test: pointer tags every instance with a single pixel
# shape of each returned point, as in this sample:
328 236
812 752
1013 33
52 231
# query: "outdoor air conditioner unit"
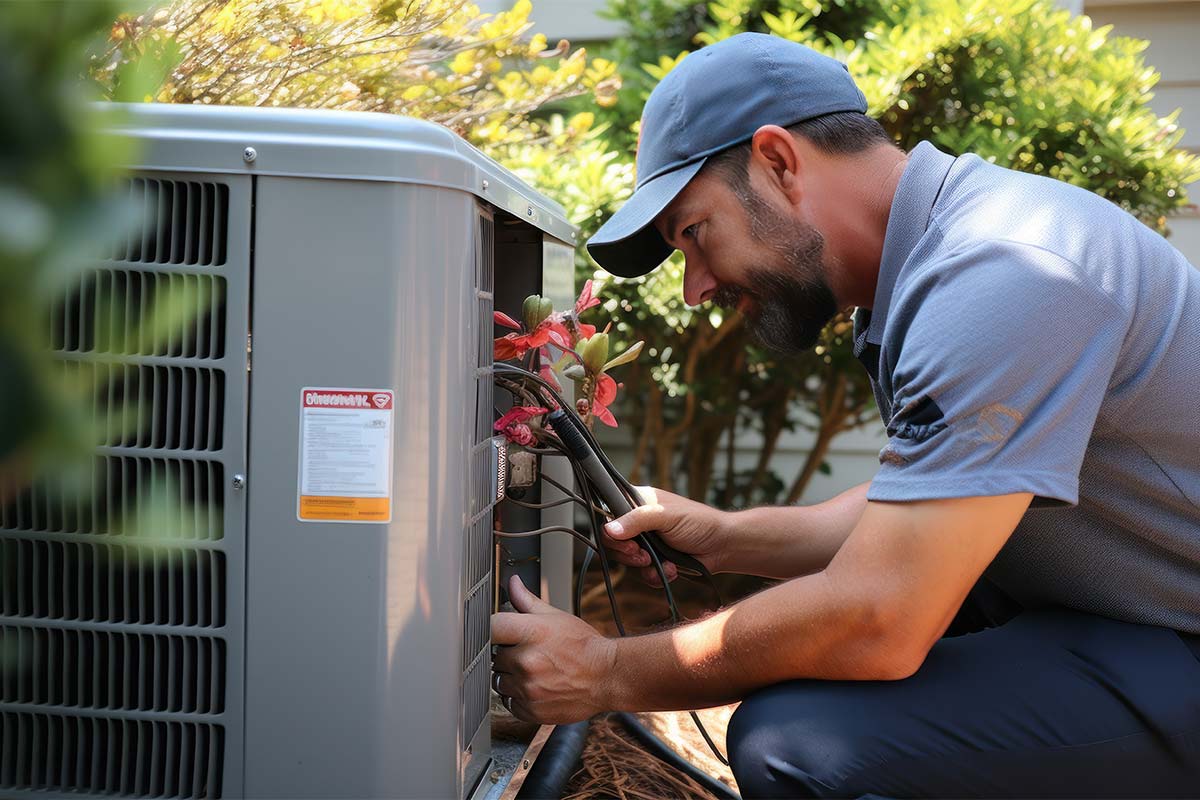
313 618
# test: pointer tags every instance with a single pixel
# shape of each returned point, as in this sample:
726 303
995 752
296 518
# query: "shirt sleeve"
1000 360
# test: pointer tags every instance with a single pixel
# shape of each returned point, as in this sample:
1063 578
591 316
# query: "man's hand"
554 666
686 525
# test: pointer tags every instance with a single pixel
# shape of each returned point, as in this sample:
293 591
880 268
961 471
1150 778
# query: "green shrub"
1019 82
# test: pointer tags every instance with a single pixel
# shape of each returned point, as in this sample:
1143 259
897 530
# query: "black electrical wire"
634 499
547 529
663 752
551 504
558 485
601 552
583 568
545 451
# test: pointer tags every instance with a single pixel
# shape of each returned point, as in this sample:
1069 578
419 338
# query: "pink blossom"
514 425
521 434
586 299
606 392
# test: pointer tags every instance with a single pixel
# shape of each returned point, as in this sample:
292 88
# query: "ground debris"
615 765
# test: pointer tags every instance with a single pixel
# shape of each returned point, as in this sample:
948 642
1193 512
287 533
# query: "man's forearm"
805 628
788 541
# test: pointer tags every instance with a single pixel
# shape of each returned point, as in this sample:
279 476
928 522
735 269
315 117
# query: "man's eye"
690 231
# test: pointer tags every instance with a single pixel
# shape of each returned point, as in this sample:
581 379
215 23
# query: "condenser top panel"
347 145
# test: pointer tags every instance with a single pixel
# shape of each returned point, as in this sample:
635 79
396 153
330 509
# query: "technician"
1011 607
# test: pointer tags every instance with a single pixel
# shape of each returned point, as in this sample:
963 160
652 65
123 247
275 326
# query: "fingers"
649 517
522 712
618 534
628 553
526 601
510 627
650 574
504 661
507 685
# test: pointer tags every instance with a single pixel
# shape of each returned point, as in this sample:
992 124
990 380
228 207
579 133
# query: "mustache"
728 295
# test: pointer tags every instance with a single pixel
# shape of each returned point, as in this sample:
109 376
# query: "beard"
793 301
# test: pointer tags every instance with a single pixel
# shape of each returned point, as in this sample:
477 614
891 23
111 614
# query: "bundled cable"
604 492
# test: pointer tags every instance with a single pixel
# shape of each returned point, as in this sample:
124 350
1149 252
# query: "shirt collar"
912 208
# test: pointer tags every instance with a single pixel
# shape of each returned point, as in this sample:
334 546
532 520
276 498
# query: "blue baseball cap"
715 98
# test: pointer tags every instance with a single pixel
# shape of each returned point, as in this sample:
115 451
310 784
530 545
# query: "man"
1035 354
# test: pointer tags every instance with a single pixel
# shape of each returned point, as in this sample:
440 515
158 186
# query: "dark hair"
840 133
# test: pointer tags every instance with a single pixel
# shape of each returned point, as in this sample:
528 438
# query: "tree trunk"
832 417
704 443
651 425
774 418
816 456
726 498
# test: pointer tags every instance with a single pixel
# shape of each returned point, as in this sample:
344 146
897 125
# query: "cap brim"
629 245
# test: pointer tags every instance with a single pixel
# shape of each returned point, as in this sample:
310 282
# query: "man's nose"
699 285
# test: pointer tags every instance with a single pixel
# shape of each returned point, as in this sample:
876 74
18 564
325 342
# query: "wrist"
613 689
726 526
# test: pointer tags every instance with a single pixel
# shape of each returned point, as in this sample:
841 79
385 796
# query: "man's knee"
797 740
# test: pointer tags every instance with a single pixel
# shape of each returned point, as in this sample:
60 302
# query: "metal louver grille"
112 670
120 583
181 222
159 407
136 584
110 311
131 757
116 498
477 550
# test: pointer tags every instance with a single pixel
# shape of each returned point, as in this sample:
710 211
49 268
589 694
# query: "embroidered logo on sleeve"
996 422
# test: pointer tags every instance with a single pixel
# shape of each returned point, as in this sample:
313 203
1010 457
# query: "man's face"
743 252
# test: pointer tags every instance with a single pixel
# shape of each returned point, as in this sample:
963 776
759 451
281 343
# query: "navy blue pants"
1050 704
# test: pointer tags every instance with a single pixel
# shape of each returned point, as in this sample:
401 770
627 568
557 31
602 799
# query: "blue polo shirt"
1030 336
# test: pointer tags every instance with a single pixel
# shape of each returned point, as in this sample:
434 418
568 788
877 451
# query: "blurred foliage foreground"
1019 82
441 60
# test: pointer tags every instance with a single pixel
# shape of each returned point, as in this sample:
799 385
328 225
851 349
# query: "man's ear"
775 154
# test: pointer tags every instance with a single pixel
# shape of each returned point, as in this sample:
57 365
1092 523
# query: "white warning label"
345 455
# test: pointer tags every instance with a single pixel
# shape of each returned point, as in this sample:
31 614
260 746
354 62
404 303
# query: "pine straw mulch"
614 764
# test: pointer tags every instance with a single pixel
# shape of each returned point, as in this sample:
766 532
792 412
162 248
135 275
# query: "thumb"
526 601
639 520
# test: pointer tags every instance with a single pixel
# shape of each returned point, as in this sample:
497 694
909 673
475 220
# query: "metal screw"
573 235
529 211
525 764
485 185
239 482
249 154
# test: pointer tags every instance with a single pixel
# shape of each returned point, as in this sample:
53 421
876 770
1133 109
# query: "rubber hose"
664 753
547 778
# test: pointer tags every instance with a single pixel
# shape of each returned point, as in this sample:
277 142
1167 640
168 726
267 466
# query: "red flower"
514 425
586 299
521 434
518 414
559 334
562 322
547 373
504 319
606 392
515 345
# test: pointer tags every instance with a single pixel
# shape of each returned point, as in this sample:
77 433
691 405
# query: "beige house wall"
1173 30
